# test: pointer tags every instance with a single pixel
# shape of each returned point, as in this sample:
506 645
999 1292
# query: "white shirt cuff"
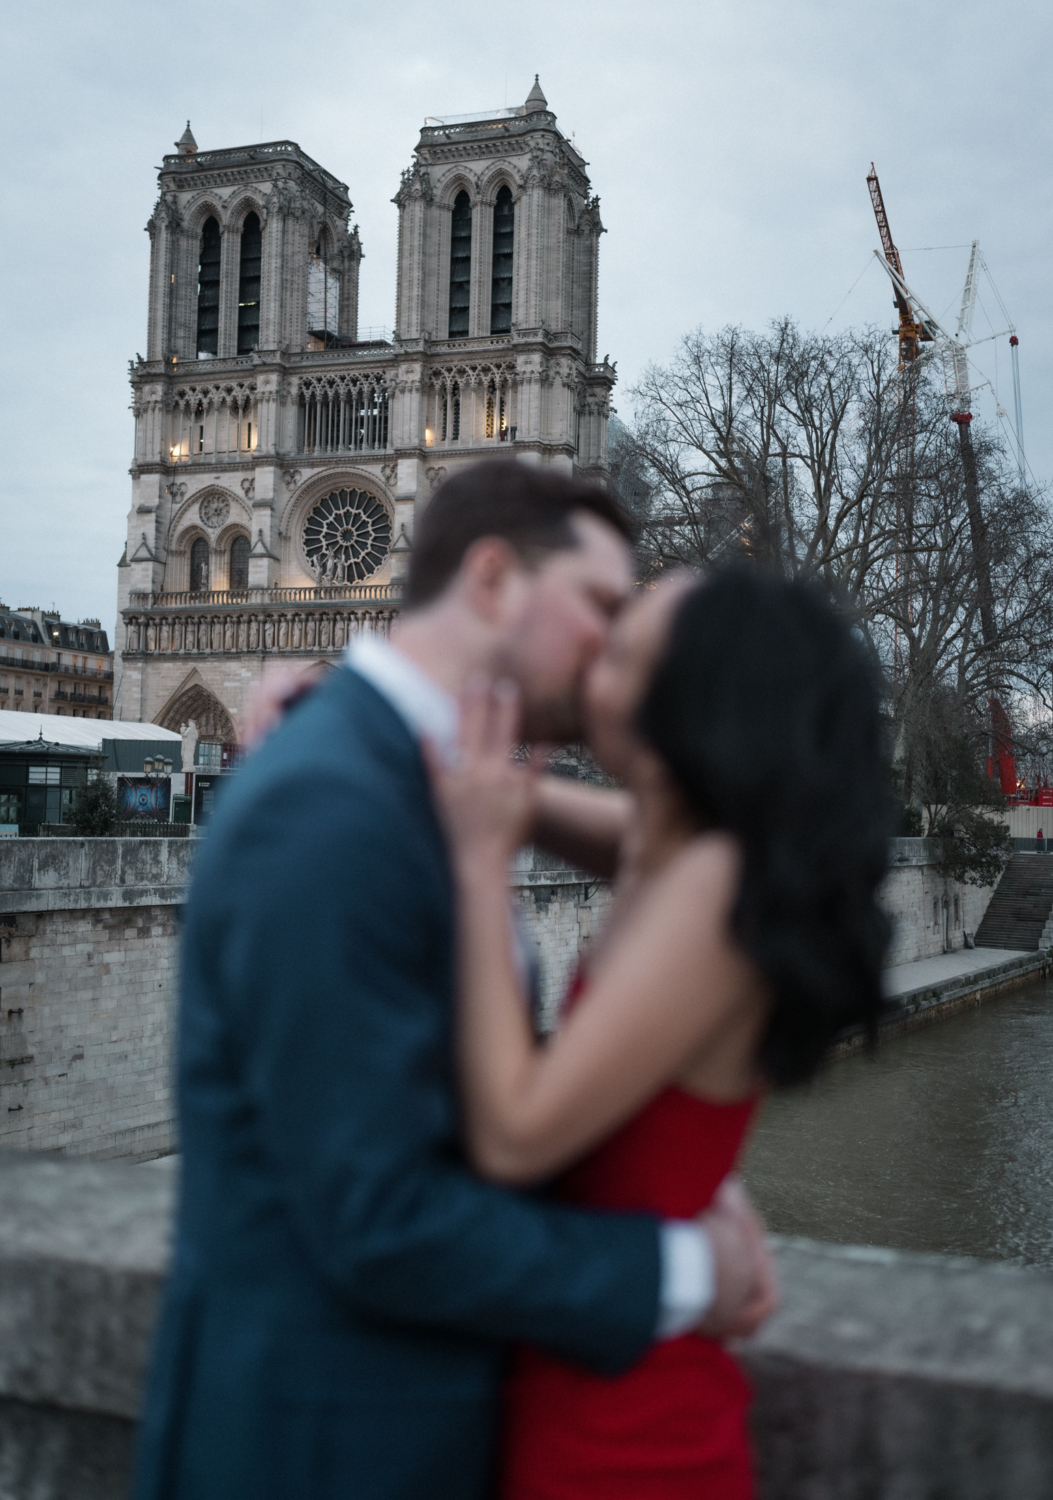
688 1284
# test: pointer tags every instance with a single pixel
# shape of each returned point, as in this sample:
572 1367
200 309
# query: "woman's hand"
487 801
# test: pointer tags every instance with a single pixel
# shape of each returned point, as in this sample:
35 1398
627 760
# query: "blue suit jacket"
343 1287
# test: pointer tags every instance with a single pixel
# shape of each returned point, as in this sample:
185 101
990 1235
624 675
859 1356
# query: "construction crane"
912 331
923 325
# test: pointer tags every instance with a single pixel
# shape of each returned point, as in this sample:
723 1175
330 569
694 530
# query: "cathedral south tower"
280 458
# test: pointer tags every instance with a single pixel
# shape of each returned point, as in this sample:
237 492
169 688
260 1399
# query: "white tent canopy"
75 734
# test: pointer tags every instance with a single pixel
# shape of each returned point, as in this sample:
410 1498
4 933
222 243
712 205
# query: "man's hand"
275 692
747 1293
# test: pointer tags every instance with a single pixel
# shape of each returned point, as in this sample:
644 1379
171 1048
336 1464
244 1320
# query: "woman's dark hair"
765 708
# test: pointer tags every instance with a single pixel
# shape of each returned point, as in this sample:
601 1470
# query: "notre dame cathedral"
280 459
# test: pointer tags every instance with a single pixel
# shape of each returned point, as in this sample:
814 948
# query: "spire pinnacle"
186 144
535 100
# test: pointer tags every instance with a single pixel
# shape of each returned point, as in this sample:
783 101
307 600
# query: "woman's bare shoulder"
684 908
708 866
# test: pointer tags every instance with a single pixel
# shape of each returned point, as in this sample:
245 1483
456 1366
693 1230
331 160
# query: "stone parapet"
883 1374
53 874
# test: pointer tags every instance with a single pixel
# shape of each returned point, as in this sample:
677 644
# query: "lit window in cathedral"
501 282
208 290
239 563
199 566
496 414
460 265
249 285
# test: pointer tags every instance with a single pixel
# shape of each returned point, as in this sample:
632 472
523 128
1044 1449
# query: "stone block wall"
85 1031
917 897
883 1373
88 945
559 912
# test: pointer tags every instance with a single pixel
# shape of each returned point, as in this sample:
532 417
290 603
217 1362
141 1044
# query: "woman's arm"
583 824
670 980
668 983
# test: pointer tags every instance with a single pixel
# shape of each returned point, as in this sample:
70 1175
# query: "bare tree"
819 456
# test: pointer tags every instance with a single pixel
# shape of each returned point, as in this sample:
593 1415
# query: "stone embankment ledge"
884 1373
934 988
39 875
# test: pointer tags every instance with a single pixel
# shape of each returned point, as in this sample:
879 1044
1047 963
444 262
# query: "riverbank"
931 989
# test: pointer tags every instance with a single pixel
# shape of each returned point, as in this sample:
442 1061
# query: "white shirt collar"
426 709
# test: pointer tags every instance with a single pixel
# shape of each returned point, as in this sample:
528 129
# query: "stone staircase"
1021 911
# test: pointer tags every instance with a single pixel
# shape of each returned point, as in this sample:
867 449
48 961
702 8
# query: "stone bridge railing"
885 1376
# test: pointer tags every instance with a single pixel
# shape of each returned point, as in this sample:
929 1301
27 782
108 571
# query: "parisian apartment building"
50 666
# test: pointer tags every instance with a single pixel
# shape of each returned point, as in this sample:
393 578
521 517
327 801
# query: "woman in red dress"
741 715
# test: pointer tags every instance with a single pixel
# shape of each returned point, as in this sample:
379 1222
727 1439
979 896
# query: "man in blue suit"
343 1289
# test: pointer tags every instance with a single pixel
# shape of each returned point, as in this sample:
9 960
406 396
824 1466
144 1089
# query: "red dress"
674 1426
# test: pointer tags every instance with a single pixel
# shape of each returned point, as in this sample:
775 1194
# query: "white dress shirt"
688 1276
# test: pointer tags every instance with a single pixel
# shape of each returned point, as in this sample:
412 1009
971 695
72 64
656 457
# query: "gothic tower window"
501 281
249 285
208 290
199 566
451 414
239 563
460 265
323 296
496 425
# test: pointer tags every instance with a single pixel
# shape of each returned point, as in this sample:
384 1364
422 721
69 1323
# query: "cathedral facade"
280 459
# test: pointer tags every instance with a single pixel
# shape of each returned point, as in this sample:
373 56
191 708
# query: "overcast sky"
729 143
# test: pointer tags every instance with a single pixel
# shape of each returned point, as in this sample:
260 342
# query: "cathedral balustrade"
213 421
342 413
471 403
313 621
237 156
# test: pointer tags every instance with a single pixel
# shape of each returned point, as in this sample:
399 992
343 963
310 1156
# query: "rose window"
347 536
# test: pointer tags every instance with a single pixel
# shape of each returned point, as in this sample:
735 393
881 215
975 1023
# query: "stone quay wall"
88 950
930 914
88 946
884 1374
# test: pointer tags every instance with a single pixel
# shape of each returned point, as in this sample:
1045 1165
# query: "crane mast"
912 331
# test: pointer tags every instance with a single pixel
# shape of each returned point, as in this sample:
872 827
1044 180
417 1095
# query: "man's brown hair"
529 508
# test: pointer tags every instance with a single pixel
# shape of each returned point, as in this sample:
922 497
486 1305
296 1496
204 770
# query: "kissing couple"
421 1252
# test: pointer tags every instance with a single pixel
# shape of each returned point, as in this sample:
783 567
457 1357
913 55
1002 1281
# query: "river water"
941 1140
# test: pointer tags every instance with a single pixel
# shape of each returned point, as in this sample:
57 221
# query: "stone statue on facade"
189 736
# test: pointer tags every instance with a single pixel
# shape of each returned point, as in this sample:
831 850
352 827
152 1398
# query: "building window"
451 414
239 563
460 265
501 282
249 285
208 290
323 297
199 566
496 415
